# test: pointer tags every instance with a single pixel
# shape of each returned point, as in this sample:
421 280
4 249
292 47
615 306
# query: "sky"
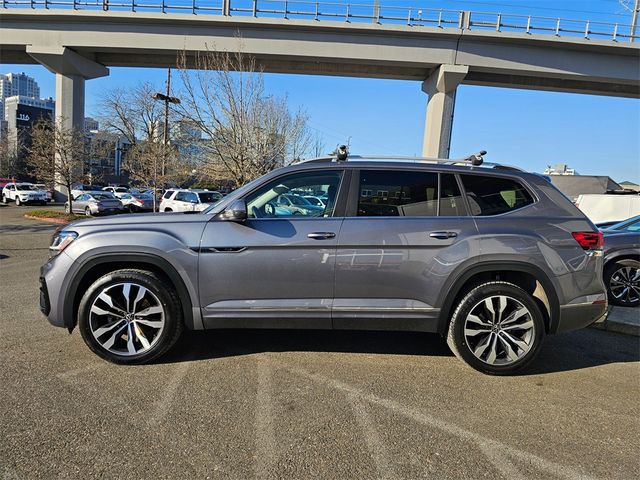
596 135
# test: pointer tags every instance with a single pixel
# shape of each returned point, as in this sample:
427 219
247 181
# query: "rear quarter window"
494 195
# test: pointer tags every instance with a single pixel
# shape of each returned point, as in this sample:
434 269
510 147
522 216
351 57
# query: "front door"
276 269
405 232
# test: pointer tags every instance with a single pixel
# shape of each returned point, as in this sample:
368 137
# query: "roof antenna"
342 153
476 159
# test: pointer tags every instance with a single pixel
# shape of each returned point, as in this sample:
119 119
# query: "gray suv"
490 257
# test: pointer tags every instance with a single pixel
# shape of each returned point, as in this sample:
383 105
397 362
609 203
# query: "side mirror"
236 212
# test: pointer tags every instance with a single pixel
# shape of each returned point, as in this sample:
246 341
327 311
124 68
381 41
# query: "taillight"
589 240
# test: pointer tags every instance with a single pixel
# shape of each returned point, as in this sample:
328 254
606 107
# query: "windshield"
300 201
314 201
237 193
25 186
103 196
209 197
120 189
632 224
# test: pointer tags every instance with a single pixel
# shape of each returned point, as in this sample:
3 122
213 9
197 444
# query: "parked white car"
182 200
43 187
23 192
609 207
117 191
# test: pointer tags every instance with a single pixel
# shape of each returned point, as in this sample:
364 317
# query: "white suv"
178 200
23 193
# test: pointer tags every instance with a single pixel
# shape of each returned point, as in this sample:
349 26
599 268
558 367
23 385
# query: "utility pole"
165 140
167 99
634 19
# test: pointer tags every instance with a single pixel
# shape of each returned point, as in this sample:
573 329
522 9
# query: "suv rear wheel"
497 328
130 316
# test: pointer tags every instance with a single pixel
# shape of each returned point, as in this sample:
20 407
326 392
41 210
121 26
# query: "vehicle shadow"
571 351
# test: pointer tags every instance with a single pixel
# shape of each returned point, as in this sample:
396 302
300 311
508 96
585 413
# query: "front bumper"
52 276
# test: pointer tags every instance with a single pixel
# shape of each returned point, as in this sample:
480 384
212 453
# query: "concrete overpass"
78 45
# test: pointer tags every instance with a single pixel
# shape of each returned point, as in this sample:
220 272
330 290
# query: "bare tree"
132 113
9 158
57 155
136 116
246 132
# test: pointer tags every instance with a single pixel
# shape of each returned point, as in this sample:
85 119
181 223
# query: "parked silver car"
95 203
490 257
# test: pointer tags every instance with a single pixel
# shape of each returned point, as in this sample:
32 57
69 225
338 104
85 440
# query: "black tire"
87 212
612 273
168 210
18 203
158 286
4 199
472 300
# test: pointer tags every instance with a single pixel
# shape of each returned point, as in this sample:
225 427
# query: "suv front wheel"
497 328
130 316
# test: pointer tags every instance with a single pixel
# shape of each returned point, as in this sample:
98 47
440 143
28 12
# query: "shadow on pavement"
226 343
36 228
570 351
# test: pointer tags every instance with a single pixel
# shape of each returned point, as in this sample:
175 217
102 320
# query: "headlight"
61 240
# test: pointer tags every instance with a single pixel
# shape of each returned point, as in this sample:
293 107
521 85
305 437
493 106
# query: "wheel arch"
99 265
519 273
624 254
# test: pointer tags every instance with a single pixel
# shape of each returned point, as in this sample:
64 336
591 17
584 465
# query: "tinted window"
168 193
187 197
275 199
494 195
451 201
390 193
209 197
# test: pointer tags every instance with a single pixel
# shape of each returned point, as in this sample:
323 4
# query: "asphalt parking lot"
244 404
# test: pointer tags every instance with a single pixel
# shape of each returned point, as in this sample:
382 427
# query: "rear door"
405 232
276 269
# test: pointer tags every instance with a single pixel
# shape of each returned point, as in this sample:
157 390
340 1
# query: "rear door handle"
321 235
443 235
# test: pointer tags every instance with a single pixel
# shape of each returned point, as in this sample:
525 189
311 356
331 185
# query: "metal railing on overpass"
353 12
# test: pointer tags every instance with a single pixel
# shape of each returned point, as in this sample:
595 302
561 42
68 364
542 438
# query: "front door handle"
321 235
443 235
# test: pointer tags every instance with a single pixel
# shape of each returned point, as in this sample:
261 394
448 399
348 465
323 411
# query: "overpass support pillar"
441 87
71 70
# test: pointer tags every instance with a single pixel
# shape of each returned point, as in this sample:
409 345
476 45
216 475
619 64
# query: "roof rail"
474 160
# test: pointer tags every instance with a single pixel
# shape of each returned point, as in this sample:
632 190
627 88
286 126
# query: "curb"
59 221
621 320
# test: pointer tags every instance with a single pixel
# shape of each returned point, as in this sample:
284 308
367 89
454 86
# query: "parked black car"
622 262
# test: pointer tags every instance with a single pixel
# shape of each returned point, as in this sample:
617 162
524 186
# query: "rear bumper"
575 317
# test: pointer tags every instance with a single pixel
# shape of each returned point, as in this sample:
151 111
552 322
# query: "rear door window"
389 193
402 193
494 195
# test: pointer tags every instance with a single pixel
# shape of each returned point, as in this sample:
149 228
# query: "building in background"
575 185
17 84
560 169
630 186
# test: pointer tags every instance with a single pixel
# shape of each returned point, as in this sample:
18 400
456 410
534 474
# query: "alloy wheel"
126 319
625 284
499 330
